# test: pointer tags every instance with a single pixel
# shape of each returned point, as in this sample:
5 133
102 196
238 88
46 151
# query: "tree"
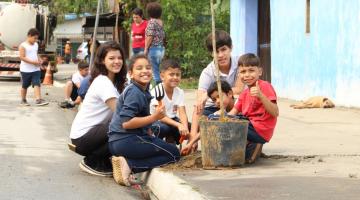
187 23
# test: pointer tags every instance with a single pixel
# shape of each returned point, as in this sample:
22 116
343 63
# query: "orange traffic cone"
48 79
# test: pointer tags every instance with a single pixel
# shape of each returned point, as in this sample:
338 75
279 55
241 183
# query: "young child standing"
30 67
130 141
71 87
175 122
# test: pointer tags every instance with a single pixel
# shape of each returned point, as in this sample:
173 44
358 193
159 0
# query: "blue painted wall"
324 62
243 26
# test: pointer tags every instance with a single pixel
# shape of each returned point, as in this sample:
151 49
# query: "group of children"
121 128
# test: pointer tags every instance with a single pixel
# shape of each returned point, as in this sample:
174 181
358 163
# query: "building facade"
314 46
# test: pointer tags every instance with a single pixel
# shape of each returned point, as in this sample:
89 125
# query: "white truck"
15 21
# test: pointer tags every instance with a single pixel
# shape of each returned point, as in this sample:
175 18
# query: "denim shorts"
30 78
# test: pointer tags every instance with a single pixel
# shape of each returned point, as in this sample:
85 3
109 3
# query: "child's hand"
159 112
186 150
182 129
255 91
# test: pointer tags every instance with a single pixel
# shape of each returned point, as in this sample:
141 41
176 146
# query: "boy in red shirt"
257 103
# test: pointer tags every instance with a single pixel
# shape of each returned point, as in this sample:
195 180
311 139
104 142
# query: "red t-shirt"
138 34
251 107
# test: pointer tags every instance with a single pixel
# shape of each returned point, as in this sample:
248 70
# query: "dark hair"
169 63
97 44
33 32
137 11
249 59
134 58
225 87
83 65
222 38
99 67
154 10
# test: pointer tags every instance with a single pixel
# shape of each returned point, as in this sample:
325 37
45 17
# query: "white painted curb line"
165 185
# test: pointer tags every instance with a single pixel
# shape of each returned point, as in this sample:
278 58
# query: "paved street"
315 155
35 160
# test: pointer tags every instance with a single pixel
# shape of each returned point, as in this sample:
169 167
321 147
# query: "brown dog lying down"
314 102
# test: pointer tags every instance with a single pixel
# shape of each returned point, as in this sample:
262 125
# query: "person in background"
138 31
89 48
154 38
30 68
67 52
72 97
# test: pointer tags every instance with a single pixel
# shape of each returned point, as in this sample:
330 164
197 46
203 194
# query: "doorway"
264 36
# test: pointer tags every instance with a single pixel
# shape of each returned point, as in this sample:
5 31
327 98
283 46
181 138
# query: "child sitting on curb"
133 147
71 87
172 125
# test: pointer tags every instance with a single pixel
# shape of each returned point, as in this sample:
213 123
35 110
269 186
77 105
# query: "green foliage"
187 23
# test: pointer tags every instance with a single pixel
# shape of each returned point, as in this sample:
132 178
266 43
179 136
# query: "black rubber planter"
223 143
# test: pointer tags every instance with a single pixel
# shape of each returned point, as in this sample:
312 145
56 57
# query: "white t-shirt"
31 53
94 110
208 76
171 105
77 78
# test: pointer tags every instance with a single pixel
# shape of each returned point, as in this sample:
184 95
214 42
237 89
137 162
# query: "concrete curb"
165 185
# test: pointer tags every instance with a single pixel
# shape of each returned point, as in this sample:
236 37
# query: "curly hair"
100 68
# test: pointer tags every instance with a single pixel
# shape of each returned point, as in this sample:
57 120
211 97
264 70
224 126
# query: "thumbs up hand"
255 91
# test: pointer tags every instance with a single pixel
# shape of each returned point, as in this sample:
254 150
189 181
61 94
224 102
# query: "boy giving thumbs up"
257 102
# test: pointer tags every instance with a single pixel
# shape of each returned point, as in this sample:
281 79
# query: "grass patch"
189 83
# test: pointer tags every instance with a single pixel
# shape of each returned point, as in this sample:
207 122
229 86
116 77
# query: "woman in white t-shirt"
91 124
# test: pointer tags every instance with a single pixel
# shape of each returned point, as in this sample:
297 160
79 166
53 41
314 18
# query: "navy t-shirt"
133 102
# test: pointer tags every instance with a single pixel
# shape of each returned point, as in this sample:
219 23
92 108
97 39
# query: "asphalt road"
35 160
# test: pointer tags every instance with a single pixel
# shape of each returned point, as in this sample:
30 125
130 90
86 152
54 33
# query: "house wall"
243 26
324 62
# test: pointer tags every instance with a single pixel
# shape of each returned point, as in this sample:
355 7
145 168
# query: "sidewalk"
314 154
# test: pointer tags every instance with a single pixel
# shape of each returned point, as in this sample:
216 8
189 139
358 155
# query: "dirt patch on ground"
192 161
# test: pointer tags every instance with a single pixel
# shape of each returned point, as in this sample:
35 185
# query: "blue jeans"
209 110
253 136
144 152
156 54
162 130
137 50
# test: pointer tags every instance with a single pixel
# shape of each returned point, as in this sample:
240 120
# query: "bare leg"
194 124
23 92
68 89
78 100
37 92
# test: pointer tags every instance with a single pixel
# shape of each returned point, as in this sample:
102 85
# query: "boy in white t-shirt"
71 87
176 122
30 67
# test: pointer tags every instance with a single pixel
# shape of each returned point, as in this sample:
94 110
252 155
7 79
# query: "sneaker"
67 104
24 103
41 102
121 170
93 168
